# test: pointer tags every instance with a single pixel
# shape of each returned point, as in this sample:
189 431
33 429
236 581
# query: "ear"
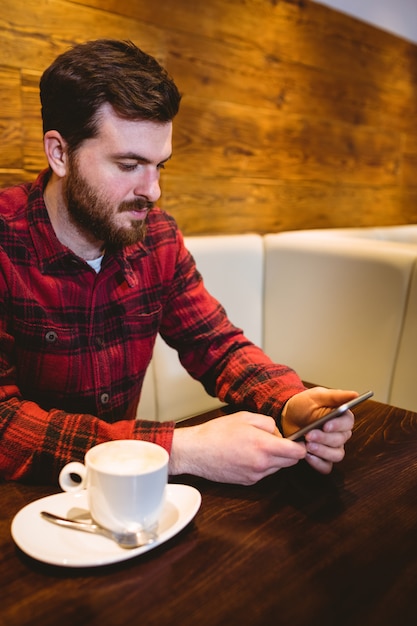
55 148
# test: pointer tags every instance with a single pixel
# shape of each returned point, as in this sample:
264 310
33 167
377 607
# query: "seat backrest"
334 307
403 233
404 385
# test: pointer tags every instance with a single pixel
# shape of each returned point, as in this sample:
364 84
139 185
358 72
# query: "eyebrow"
132 156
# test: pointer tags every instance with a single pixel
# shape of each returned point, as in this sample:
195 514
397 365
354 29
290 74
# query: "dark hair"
91 74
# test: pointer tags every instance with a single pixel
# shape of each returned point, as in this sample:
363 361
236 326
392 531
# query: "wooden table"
296 549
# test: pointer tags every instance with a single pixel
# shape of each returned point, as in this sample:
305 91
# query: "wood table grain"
296 549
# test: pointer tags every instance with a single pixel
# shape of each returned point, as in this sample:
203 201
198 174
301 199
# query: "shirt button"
104 398
99 342
51 336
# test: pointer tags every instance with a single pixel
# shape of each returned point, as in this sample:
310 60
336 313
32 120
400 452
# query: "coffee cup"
125 482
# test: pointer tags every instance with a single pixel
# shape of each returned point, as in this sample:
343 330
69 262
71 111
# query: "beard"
94 215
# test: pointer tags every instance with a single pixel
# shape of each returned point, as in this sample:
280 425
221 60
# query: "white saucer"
60 546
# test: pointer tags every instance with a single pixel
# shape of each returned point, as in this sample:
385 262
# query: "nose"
147 184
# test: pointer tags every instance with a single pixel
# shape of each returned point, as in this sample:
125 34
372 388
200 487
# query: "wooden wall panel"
11 150
409 170
34 157
34 32
293 115
216 205
262 145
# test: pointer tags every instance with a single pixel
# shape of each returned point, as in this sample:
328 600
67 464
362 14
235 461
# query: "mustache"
136 205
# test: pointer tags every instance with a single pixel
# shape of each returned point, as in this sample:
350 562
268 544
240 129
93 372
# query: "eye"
161 166
127 167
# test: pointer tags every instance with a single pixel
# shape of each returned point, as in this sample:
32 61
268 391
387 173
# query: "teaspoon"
125 539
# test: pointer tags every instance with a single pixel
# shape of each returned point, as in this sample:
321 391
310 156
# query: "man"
91 271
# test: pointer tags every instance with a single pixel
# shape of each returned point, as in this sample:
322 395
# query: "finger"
340 425
333 397
344 422
332 439
320 465
288 449
253 475
326 453
274 457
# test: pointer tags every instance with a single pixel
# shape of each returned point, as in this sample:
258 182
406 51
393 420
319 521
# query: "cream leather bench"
404 382
404 388
406 233
338 305
347 302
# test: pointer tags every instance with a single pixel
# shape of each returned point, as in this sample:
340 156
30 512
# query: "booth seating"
338 305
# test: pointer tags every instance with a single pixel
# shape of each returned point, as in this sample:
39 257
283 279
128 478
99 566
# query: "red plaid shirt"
75 345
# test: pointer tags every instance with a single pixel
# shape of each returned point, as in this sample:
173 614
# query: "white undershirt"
96 264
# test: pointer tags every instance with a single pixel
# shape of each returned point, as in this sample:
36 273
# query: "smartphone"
335 413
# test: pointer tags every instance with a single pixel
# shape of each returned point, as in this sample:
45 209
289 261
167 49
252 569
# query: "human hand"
240 448
324 446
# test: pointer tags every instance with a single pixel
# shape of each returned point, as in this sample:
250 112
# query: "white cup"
125 482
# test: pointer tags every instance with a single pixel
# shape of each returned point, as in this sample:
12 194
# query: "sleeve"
35 444
216 352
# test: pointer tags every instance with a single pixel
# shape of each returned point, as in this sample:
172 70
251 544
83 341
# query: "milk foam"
122 461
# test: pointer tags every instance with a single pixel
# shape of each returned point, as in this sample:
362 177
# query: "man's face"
113 179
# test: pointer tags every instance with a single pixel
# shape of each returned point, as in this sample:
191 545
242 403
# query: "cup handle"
66 480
